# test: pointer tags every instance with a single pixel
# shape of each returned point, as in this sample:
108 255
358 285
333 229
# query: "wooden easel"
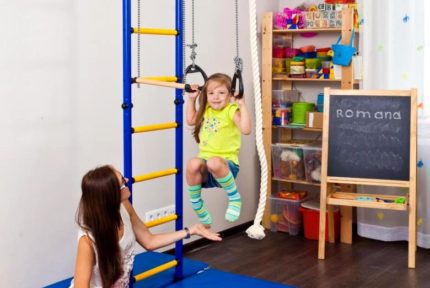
367 116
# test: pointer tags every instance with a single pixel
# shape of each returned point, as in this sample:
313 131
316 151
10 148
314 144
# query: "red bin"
311 223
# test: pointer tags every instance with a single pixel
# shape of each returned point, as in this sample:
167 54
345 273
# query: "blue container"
320 102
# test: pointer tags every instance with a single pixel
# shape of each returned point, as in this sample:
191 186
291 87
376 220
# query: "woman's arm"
242 118
190 107
151 241
85 261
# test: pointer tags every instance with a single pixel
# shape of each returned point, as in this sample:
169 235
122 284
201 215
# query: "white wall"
61 90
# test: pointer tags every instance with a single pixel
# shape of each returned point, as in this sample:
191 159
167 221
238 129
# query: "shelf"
317 30
296 181
297 127
283 31
350 199
312 129
270 35
285 78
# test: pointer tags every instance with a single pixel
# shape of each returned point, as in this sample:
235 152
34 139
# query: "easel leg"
330 224
346 224
412 239
323 209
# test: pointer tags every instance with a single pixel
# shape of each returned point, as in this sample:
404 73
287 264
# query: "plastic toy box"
312 163
288 161
285 215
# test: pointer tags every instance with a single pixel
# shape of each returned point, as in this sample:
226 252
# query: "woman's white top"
127 250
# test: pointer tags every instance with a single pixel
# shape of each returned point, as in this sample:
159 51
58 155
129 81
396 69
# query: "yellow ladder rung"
161 220
155 127
156 270
156 174
155 31
162 78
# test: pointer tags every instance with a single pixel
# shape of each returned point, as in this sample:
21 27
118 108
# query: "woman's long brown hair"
220 78
99 213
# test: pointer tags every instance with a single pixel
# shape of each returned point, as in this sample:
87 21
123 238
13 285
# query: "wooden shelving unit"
296 181
286 83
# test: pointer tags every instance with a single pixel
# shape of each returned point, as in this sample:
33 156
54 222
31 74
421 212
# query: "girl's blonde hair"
220 78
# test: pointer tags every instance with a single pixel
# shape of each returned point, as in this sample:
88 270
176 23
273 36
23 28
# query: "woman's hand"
200 230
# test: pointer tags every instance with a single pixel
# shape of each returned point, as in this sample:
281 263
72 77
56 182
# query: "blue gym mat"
213 278
146 261
196 274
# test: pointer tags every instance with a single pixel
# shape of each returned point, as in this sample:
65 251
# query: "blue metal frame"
127 104
127 118
179 101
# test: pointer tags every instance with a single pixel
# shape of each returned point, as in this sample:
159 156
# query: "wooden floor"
293 260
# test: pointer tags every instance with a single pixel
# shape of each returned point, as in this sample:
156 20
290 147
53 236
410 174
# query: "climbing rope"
256 231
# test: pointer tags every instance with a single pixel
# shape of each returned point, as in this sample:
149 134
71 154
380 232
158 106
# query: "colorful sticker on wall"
420 221
406 18
405 76
380 215
420 48
380 48
420 164
420 105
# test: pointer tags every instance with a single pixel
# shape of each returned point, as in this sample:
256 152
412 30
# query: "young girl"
109 227
218 125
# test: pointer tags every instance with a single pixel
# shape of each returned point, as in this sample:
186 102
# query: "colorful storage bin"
285 215
312 161
279 66
311 220
287 160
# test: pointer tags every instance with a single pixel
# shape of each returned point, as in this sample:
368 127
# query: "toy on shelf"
279 21
294 18
295 195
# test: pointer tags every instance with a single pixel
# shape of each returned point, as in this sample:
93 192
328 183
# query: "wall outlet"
159 213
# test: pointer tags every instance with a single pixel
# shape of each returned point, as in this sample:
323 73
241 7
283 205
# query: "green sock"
198 205
234 202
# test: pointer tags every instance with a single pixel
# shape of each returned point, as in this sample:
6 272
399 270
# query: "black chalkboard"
369 137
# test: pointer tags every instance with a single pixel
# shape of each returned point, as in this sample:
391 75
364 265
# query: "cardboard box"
314 120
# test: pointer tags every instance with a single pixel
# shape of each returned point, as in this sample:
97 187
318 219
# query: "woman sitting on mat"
109 227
